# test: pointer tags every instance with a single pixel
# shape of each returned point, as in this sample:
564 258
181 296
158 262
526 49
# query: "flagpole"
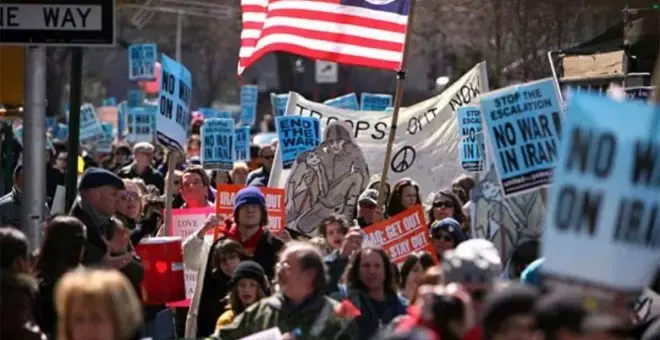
398 98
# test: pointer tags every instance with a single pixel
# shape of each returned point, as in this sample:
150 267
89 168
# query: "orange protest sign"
224 203
400 235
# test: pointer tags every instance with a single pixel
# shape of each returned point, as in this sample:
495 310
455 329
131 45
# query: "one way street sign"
41 22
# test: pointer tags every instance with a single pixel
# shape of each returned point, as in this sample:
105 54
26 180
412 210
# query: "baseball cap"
369 196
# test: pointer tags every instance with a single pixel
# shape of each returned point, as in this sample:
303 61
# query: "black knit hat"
514 299
251 270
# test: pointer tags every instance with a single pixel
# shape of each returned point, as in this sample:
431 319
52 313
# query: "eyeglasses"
443 237
130 195
441 204
268 156
61 158
367 206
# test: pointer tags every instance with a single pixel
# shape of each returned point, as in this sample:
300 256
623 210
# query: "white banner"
426 146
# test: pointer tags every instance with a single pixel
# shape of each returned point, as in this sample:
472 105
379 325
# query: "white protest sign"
603 206
173 104
184 223
426 147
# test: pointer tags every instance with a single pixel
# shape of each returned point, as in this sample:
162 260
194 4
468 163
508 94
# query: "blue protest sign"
112 101
242 144
208 112
249 94
51 123
347 102
142 62
604 199
90 127
278 103
218 144
135 98
105 144
296 134
375 102
639 93
174 116
225 114
522 124
122 117
141 124
471 145
62 132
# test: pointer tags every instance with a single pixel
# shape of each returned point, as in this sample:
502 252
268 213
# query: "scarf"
97 218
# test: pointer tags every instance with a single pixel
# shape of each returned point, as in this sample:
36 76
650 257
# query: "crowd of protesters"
84 281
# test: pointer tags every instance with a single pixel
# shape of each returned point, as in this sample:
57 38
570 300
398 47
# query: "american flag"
358 32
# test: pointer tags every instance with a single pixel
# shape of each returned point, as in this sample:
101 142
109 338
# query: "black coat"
96 249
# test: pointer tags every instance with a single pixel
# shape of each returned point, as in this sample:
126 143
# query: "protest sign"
400 235
122 117
174 104
184 223
426 145
112 101
225 114
325 180
522 124
602 209
142 61
218 144
62 132
249 94
242 144
208 112
105 144
375 102
296 134
226 194
472 148
346 102
639 93
135 98
90 127
140 124
278 103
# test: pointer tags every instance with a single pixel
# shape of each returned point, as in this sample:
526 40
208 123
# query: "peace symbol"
403 159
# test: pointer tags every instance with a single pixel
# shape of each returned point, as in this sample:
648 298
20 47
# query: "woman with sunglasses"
446 204
130 208
446 235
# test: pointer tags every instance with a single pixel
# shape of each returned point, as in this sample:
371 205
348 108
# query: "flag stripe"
334 37
322 29
322 55
336 18
332 7
323 46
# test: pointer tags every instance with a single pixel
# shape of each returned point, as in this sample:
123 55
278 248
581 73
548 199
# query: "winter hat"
250 270
249 195
512 300
451 226
97 177
474 261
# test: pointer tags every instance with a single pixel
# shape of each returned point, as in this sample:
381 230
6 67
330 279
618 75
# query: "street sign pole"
34 141
74 126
